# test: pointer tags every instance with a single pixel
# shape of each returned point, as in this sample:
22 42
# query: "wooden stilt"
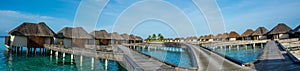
34 50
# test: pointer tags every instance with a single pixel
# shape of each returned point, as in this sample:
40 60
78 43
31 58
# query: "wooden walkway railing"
82 51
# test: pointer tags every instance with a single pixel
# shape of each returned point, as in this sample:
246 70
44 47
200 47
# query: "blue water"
244 54
46 62
179 58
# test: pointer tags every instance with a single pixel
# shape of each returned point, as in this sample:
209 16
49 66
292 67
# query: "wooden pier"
232 43
147 63
275 58
81 51
209 61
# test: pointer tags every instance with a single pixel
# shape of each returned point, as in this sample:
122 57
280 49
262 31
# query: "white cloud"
11 19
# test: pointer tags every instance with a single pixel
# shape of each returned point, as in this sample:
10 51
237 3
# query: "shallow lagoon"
243 53
173 55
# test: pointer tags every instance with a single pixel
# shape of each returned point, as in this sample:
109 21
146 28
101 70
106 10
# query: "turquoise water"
244 54
179 58
46 62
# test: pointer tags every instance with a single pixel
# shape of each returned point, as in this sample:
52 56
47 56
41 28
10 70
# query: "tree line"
152 38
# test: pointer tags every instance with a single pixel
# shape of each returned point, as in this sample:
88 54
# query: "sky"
171 18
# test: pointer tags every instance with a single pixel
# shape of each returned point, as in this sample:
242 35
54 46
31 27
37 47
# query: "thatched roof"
247 33
297 29
115 35
201 37
138 38
260 31
191 38
225 35
125 36
33 29
219 36
133 37
233 34
70 32
101 34
178 38
208 36
281 28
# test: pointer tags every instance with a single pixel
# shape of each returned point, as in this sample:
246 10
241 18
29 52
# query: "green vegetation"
61 40
154 38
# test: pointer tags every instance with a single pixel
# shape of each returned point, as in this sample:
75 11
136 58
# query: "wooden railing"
81 51
130 64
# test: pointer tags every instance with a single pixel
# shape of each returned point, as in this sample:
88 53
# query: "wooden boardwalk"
230 43
209 61
82 51
274 58
146 63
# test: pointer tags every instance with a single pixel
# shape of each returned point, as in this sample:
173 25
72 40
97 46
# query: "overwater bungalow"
218 37
209 38
126 38
181 39
247 34
168 40
132 39
115 38
101 37
296 32
30 35
260 33
232 36
201 38
74 37
177 40
281 31
192 39
224 36
138 39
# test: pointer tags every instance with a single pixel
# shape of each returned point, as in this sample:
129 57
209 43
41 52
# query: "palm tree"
149 38
160 37
153 37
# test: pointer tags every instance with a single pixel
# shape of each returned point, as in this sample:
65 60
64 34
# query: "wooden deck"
209 61
82 51
146 63
230 43
275 58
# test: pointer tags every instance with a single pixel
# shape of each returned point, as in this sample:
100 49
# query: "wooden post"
80 60
21 50
41 51
16 50
72 57
254 45
106 64
34 50
56 53
92 63
50 52
27 50
64 55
